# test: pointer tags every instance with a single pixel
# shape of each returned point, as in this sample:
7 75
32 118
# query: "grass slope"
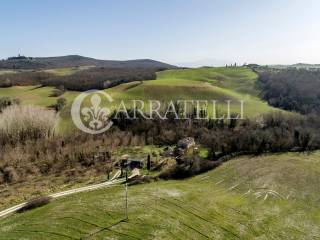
227 203
66 71
219 84
205 83
30 95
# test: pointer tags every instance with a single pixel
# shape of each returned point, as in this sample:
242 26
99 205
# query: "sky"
189 32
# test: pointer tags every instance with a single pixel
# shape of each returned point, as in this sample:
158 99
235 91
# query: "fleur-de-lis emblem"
95 116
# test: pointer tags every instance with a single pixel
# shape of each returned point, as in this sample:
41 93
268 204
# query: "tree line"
100 78
93 78
291 89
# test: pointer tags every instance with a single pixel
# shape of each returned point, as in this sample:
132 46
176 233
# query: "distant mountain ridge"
22 62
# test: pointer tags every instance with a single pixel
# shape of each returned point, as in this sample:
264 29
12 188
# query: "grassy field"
30 95
266 197
7 71
218 84
66 71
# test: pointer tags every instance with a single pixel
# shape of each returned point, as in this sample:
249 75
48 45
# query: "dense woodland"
23 78
100 78
291 89
93 78
49 154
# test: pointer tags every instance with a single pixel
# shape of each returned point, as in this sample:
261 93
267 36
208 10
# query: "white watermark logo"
88 112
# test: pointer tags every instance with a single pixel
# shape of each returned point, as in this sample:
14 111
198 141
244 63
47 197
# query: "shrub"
5 83
190 166
20 123
7 101
61 102
35 203
10 175
56 93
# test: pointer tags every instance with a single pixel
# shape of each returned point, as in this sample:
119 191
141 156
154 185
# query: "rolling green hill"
219 84
266 197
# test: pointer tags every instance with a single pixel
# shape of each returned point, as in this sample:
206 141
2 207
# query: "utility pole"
126 212
126 187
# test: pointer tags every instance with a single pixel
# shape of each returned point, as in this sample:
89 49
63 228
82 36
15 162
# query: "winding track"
113 181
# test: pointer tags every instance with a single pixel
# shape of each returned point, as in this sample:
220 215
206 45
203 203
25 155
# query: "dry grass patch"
19 123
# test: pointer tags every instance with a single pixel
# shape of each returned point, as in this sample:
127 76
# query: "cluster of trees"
93 78
291 89
24 78
100 78
20 62
71 157
50 154
19 57
274 132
